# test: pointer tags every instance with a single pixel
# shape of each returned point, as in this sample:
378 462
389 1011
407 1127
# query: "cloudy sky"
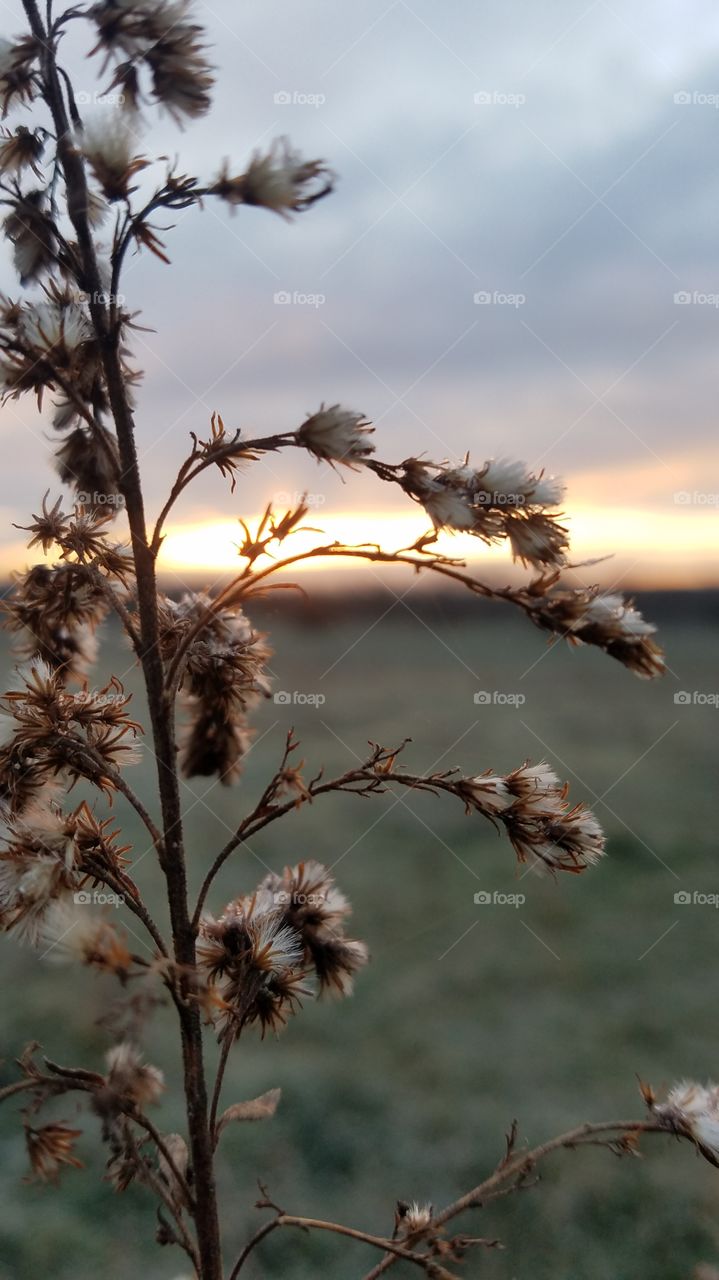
520 259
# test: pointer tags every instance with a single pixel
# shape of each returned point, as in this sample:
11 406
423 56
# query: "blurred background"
520 260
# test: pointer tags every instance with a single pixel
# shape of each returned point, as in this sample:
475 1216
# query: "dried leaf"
261 1108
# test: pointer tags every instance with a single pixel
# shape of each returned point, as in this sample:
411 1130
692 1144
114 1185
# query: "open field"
470 1014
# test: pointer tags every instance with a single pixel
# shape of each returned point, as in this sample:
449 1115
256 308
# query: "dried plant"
72 216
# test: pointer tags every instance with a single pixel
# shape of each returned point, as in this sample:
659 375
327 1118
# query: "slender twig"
398 1251
188 472
164 1150
245 584
361 781
221 1068
116 780
514 1170
257 1238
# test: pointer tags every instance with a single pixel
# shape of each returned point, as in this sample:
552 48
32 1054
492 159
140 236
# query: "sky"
520 260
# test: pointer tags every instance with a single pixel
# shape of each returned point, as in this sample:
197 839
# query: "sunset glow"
658 548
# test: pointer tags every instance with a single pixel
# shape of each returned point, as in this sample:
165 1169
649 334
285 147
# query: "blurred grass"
468 1015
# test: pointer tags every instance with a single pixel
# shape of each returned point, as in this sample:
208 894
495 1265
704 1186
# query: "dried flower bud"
613 624
252 960
223 677
159 34
56 611
532 804
337 435
89 461
75 932
129 1079
412 1220
312 906
280 180
500 500
18 71
20 149
693 1110
30 229
107 143
49 1148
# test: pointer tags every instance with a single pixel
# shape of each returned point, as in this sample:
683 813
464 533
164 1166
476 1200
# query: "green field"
469 1015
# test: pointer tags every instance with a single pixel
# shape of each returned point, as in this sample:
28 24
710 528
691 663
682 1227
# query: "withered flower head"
280 180
160 34
223 677
532 805
18 71
499 500
89 461
21 148
70 735
311 904
585 616
107 144
693 1110
77 932
252 961
337 435
130 1079
30 229
51 1147
55 611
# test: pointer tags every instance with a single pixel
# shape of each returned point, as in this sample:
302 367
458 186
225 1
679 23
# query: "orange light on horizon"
659 548
642 546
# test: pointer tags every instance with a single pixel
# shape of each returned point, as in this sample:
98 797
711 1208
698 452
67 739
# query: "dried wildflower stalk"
250 965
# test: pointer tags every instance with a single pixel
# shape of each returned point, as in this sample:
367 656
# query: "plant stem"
171 850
